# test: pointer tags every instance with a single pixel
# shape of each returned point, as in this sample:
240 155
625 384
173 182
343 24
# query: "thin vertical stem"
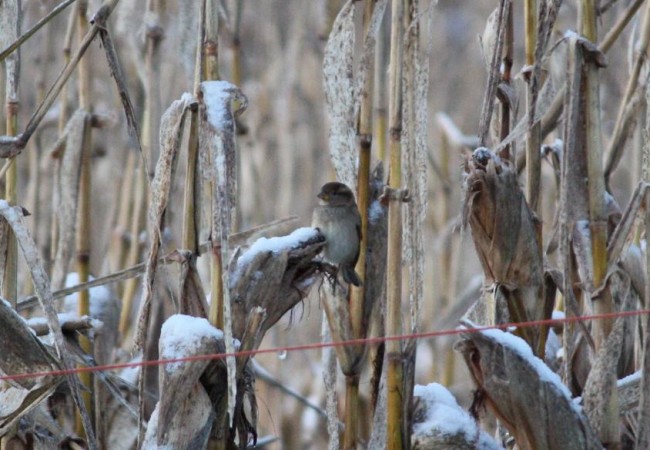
395 371
84 214
379 95
643 432
533 158
12 66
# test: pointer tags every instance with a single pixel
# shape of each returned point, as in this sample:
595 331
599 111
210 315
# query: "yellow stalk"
395 432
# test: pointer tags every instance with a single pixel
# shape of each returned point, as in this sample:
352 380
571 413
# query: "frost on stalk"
506 372
440 423
218 158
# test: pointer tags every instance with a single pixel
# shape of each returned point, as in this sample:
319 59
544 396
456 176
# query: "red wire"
321 345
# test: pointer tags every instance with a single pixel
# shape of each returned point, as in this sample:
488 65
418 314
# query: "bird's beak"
323 196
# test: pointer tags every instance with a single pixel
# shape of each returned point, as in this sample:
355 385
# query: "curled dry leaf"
184 336
22 353
504 231
529 398
273 274
189 428
67 193
338 79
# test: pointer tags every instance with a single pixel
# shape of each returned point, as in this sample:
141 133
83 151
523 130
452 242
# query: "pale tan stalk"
395 433
84 213
603 303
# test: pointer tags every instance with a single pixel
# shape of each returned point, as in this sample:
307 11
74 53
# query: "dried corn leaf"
602 380
504 231
171 128
218 149
22 352
189 428
14 216
524 393
10 24
192 296
182 336
337 309
414 160
329 372
15 402
218 157
67 193
339 84
273 274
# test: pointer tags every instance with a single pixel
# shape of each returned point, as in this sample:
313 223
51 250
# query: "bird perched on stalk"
337 217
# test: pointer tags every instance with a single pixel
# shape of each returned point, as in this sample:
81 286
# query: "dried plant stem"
395 433
29 33
357 294
10 283
119 246
12 70
530 20
84 213
603 303
643 432
152 109
615 147
191 199
487 106
99 21
63 120
533 157
379 95
210 44
508 151
235 44
134 246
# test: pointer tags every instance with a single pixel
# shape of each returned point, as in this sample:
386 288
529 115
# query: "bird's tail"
350 276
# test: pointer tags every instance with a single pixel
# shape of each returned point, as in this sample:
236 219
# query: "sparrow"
337 218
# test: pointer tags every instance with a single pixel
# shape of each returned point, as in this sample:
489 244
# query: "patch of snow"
273 245
188 97
100 297
446 417
631 378
181 335
524 351
130 374
553 346
375 212
216 97
568 34
558 315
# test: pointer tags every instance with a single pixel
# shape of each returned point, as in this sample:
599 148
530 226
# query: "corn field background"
160 164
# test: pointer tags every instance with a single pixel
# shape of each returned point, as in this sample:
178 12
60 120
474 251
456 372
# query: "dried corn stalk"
529 398
504 233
